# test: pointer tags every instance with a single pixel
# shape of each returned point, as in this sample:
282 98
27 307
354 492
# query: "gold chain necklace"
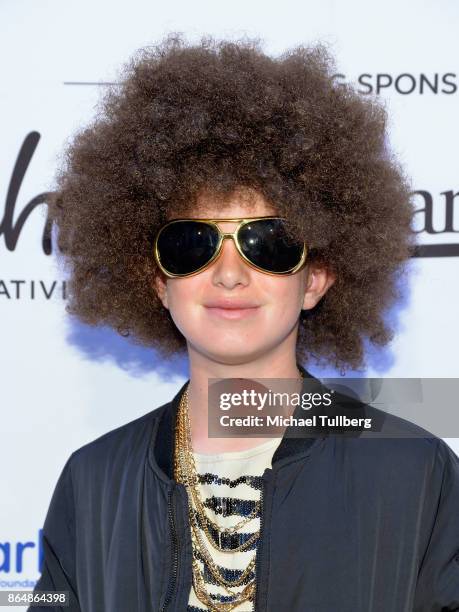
191 479
185 472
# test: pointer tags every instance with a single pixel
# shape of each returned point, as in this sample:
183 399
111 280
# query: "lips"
231 309
232 313
230 304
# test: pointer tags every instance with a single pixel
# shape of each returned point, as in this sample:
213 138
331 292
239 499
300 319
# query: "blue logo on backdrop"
15 555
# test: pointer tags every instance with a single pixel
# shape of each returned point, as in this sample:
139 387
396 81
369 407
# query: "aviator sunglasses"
184 247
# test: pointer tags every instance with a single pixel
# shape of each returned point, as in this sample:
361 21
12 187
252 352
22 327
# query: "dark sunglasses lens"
265 243
185 246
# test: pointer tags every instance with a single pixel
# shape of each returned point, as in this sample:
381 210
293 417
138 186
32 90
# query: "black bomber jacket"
348 525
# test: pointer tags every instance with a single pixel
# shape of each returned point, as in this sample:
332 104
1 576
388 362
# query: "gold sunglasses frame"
222 235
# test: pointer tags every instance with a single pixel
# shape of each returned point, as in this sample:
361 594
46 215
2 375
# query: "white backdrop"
63 384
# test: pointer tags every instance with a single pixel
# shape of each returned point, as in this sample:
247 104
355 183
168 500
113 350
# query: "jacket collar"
163 442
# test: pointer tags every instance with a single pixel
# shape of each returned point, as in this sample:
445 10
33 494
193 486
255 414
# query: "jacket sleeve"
438 579
58 570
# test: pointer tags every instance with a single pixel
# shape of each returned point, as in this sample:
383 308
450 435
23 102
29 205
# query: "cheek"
184 303
181 295
178 292
285 296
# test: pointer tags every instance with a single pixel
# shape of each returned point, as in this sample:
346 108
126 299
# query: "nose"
230 268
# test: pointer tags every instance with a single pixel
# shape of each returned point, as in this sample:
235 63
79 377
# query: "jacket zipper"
173 577
256 606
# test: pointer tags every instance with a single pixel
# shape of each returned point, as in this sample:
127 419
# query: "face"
239 336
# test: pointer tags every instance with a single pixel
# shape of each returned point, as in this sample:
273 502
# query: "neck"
201 369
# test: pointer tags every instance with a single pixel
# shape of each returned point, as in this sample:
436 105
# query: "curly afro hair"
216 116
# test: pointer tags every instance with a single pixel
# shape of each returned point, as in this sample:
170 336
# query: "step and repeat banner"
63 383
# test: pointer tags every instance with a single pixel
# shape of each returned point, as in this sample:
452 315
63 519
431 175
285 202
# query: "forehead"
241 203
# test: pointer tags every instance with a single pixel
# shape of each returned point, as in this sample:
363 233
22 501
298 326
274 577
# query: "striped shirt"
230 485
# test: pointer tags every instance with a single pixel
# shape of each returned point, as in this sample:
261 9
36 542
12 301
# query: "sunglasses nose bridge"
228 234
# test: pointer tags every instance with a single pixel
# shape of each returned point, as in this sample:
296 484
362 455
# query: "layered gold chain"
185 472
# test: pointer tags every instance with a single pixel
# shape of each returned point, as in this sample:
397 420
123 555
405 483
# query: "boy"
201 142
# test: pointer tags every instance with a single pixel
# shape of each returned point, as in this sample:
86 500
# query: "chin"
230 353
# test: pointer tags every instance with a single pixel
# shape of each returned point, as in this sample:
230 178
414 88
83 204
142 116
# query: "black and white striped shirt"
230 486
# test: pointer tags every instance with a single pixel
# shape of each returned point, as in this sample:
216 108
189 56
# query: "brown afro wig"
216 116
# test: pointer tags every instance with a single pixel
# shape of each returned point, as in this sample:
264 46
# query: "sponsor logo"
15 555
405 83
